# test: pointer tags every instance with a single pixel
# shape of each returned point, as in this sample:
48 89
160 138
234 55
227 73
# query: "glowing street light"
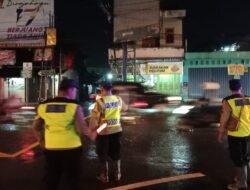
109 76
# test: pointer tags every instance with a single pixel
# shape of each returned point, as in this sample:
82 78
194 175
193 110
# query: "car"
135 95
201 116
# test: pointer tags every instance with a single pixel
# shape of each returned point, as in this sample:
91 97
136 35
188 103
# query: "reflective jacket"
59 118
235 102
110 110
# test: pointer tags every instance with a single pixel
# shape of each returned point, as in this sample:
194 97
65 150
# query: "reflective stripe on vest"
111 106
59 118
244 127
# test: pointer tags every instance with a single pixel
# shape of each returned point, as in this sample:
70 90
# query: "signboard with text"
26 73
235 69
27 66
23 22
164 68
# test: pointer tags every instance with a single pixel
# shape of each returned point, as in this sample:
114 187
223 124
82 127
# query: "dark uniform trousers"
63 162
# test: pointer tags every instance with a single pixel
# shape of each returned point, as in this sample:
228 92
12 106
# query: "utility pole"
134 71
125 60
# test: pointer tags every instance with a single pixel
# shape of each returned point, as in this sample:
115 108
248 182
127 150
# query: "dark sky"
211 23
83 24
208 24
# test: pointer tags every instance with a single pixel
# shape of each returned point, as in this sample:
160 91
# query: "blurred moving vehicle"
201 116
9 105
135 95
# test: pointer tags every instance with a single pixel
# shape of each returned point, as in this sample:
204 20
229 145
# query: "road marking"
158 181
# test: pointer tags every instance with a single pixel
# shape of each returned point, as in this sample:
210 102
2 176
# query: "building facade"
214 67
155 61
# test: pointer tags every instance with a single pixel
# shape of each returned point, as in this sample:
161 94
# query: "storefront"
164 77
159 69
215 67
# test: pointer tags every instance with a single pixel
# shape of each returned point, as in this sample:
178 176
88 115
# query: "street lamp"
109 76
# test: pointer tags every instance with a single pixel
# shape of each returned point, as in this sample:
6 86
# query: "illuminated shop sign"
164 68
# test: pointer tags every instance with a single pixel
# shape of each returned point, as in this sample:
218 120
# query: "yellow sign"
51 37
165 68
235 69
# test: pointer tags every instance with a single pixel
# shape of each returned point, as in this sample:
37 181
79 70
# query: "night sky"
208 25
216 23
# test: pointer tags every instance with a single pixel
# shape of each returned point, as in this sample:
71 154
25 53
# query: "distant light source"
233 47
183 109
139 104
174 98
109 76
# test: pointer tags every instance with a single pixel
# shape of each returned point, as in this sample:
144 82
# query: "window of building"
150 42
169 32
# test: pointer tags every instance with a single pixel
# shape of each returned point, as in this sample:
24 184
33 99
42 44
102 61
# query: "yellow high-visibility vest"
59 117
244 126
111 107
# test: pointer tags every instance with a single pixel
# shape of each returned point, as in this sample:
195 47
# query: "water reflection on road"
160 143
16 134
163 143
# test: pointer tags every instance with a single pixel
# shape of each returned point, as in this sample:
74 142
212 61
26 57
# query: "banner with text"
164 68
236 69
23 22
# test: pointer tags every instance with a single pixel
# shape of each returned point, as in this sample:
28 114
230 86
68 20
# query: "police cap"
107 85
67 83
235 84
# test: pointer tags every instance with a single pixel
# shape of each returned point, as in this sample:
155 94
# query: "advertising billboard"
7 57
162 68
23 22
135 19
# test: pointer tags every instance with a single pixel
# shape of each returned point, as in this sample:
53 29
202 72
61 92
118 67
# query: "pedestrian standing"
58 126
107 112
238 105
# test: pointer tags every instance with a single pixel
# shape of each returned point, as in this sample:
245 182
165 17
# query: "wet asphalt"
154 146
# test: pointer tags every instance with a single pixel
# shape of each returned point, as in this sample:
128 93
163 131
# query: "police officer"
237 140
58 126
108 142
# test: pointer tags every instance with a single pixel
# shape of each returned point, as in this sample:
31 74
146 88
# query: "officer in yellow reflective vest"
108 142
58 126
237 140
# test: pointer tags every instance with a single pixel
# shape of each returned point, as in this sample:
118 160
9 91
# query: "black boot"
241 182
104 175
